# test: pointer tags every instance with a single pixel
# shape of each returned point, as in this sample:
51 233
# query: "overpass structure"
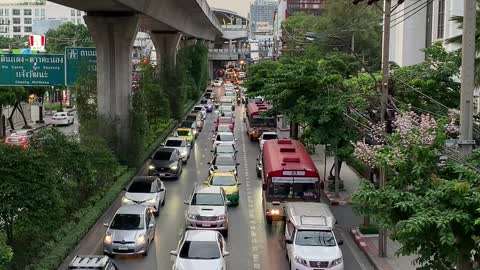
114 25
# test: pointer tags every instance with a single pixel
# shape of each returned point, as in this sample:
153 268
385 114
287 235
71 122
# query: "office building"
17 17
261 16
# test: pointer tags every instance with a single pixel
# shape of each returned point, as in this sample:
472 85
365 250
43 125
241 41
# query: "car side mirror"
226 253
173 252
236 139
105 224
239 183
228 203
162 144
288 241
162 189
264 186
340 242
238 163
236 151
209 161
151 225
212 151
205 182
186 202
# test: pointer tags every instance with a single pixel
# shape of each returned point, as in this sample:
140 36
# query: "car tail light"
23 140
7 140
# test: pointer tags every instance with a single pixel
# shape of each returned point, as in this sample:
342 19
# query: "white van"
309 237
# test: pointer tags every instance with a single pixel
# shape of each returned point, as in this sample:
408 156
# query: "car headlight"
140 240
183 153
192 216
174 166
301 260
151 167
125 200
222 217
336 261
151 201
275 212
108 238
194 132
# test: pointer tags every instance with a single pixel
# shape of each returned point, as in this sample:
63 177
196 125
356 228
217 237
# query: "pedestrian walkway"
368 244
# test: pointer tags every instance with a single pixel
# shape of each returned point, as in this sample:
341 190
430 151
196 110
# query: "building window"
72 12
16 12
37 12
16 20
79 13
27 20
42 13
1 12
17 29
27 12
79 21
17 36
3 29
72 20
441 19
27 29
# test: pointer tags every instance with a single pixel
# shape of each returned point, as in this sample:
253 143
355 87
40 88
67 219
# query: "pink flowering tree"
432 209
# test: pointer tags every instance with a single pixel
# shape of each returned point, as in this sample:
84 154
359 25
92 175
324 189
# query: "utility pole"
382 236
468 68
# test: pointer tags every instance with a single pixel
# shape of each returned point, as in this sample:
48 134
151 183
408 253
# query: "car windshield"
226 120
140 187
223 180
229 94
175 143
200 250
225 148
225 160
183 133
225 137
294 191
197 109
162 155
127 222
315 238
269 136
207 199
204 101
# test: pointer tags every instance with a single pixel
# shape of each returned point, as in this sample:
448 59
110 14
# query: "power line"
407 7
420 9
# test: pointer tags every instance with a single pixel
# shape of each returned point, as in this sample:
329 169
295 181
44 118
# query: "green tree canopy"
68 35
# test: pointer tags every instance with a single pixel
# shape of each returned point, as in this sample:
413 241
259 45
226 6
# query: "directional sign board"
33 69
79 61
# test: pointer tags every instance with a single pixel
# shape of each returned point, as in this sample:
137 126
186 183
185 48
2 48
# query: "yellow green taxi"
229 182
185 133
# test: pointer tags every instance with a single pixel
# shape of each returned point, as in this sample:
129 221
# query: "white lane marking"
256 266
354 252
256 258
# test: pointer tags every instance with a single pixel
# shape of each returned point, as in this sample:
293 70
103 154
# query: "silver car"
130 231
181 144
223 163
207 209
145 190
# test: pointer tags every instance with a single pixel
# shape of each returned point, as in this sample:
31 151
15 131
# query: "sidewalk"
368 244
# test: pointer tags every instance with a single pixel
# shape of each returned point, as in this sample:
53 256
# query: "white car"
200 250
265 137
224 137
145 190
181 144
63 118
202 110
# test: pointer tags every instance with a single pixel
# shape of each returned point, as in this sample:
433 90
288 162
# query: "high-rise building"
261 16
17 17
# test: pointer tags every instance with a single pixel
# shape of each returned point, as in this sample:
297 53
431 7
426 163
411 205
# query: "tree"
458 40
13 43
431 209
68 35
259 73
6 252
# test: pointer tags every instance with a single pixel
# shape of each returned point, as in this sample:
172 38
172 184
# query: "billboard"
37 42
263 27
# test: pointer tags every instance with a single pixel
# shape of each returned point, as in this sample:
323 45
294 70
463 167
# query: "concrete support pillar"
210 69
114 36
166 44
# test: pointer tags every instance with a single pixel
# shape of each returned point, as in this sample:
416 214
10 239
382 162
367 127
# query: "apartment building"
18 17
417 24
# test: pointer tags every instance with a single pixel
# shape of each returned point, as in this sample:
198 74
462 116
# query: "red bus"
257 121
288 174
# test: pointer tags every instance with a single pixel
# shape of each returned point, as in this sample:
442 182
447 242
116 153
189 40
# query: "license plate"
162 174
205 225
122 248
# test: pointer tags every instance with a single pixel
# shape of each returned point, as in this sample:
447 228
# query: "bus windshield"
306 191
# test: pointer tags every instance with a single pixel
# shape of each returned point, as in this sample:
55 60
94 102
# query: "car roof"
225 133
132 209
184 129
216 173
201 235
224 155
270 132
226 143
145 179
209 189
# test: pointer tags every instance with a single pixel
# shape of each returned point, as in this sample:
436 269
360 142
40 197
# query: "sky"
240 6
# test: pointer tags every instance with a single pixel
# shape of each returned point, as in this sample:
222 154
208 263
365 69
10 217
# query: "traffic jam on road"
198 206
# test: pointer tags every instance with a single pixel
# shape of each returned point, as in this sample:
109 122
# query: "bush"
64 241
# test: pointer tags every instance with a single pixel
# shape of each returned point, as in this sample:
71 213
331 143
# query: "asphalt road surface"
252 244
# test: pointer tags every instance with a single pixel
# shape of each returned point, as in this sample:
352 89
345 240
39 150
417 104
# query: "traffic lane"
70 130
170 225
274 254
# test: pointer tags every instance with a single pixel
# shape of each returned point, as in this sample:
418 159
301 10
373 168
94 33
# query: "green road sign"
32 69
79 61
